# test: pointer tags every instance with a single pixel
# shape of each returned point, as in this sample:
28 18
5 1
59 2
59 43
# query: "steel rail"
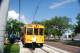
44 50
54 49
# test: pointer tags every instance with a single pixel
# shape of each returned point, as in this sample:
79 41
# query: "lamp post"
3 17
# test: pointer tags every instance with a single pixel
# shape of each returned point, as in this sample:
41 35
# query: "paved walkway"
72 49
44 49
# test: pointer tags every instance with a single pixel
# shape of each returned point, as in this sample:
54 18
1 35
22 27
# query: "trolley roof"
34 26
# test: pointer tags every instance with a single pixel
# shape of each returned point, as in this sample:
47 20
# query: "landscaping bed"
11 48
73 43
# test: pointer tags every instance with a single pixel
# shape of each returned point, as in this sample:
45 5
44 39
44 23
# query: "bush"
11 48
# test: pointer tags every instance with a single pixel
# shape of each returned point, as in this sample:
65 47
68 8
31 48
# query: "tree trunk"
72 38
59 37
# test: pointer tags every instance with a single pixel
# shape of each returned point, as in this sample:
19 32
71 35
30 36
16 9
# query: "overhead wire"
19 9
36 10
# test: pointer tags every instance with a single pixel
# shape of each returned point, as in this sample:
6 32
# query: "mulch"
72 49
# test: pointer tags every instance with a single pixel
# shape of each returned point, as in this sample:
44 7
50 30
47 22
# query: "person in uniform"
34 41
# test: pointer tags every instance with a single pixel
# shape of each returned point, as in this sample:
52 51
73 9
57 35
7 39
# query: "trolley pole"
4 4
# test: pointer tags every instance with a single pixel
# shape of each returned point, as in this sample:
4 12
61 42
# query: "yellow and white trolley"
33 35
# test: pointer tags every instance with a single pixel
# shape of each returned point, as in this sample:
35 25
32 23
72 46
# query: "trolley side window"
23 31
35 31
29 31
41 31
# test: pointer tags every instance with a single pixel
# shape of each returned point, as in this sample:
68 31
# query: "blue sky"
47 9
0 2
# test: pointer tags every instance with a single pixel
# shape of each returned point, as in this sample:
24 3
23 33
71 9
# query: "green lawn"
74 43
11 48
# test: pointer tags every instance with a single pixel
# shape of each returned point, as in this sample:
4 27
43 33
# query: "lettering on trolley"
36 26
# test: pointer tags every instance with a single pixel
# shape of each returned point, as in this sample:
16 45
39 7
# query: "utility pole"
4 4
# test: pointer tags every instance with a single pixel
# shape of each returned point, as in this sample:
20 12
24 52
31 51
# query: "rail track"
39 50
56 49
44 49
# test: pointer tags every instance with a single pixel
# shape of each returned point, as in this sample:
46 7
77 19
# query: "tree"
35 22
56 25
13 29
60 24
77 28
13 25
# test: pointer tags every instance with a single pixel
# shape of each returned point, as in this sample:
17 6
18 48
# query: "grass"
73 43
11 48
68 42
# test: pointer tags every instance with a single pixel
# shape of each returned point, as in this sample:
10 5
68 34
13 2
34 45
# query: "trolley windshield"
29 31
41 31
38 31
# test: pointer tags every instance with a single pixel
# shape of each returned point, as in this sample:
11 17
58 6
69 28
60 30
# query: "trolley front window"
41 31
35 31
29 31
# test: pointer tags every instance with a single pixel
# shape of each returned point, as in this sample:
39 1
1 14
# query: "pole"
19 9
3 17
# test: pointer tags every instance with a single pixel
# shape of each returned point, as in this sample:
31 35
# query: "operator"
34 41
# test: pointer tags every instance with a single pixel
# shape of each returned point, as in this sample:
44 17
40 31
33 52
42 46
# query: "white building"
66 35
77 37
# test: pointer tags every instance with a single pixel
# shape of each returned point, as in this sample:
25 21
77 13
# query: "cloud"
55 5
13 14
23 19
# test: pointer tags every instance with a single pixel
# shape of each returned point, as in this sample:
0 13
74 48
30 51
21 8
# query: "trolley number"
36 26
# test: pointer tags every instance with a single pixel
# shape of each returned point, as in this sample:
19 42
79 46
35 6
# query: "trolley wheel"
33 48
41 45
